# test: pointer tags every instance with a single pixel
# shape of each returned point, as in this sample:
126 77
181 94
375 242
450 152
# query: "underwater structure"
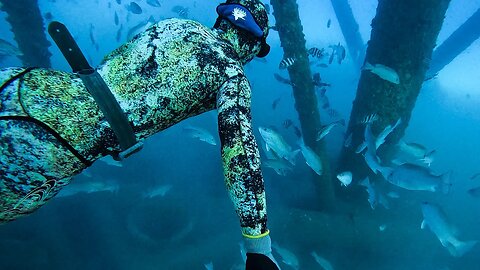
455 44
403 37
28 27
293 42
350 30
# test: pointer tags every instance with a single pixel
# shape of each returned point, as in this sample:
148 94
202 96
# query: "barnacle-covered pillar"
293 42
27 25
403 37
454 45
350 30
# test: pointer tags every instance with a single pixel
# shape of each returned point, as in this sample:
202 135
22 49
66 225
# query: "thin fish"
275 103
115 18
134 8
388 129
312 159
154 3
327 128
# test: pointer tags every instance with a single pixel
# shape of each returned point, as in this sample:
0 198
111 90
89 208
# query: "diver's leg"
243 176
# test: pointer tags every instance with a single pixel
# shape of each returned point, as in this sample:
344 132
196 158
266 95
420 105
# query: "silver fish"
280 166
161 191
414 177
384 72
8 49
201 134
345 178
141 27
435 219
312 159
276 142
209 266
134 8
388 129
154 3
324 263
78 187
327 128
287 256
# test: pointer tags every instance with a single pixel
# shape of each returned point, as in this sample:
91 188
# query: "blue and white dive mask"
242 18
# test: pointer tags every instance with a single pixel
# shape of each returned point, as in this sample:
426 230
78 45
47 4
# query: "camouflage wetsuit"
51 128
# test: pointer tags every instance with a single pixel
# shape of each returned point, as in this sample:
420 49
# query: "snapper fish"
134 8
435 219
201 134
275 141
286 62
312 159
415 177
287 256
384 72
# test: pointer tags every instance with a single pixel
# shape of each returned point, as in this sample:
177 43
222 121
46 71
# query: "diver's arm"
241 159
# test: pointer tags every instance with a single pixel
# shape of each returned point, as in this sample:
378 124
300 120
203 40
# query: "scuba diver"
52 126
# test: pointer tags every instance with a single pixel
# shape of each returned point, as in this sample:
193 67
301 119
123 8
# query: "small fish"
317 81
201 134
327 128
384 72
181 11
209 266
323 65
372 193
281 79
48 16
316 52
329 22
287 123
333 113
134 8
297 131
382 227
275 103
287 62
435 219
280 166
92 35
388 129
339 52
324 263
474 192
345 178
276 142
393 195
414 177
369 119
141 27
78 187
157 191
348 141
287 256
119 33
111 162
8 49
154 3
312 159
115 18
474 176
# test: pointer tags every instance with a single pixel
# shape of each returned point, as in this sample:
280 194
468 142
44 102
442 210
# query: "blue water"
194 223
